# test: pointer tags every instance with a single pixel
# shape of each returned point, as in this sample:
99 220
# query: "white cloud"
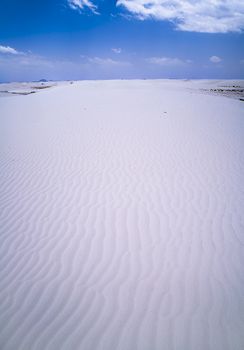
107 61
215 59
167 61
209 16
82 5
117 50
9 50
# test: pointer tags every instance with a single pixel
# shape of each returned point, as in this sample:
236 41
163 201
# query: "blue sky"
106 39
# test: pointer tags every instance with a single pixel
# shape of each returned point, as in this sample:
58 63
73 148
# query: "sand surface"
121 208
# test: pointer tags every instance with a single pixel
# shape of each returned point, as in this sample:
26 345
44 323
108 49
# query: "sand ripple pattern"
121 225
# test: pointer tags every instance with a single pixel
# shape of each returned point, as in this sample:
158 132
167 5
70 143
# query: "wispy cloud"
209 16
81 5
107 61
117 50
215 59
31 61
9 50
167 61
34 67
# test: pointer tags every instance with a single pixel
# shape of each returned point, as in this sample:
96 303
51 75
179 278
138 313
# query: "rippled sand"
121 208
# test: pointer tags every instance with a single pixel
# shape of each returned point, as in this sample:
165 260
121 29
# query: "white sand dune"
121 208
